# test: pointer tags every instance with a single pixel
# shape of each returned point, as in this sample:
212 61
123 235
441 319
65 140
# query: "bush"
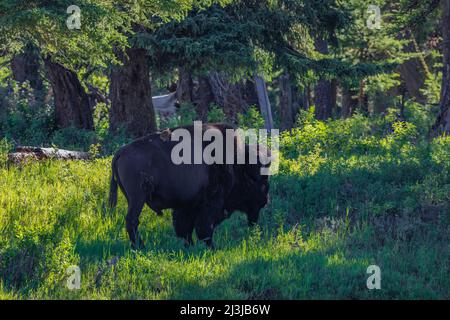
73 139
216 114
26 120
251 119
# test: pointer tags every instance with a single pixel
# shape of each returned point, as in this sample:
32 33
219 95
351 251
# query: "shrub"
216 114
186 114
251 119
25 119
73 138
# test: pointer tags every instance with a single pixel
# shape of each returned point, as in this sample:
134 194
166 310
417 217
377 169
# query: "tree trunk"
249 93
25 66
304 99
230 96
203 97
264 102
349 102
296 102
413 71
131 96
442 123
323 99
382 100
71 101
286 103
323 91
334 88
363 99
185 86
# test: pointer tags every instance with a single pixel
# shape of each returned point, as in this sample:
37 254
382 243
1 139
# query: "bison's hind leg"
135 205
183 223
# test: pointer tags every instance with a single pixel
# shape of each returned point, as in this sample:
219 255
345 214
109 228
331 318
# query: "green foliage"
216 114
349 194
411 15
92 44
441 152
248 36
186 114
73 138
24 119
432 88
251 119
370 47
422 116
5 147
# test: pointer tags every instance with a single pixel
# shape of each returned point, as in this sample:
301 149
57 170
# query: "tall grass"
350 193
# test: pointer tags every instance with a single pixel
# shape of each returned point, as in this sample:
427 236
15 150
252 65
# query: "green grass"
349 194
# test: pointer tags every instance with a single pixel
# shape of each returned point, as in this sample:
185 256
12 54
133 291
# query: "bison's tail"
113 187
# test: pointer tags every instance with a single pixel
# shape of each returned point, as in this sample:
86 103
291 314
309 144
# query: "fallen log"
26 154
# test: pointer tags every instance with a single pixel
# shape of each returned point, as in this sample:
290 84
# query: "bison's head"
251 191
256 195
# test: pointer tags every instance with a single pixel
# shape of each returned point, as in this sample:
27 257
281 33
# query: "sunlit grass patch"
343 200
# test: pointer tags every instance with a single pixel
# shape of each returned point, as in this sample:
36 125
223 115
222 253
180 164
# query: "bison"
201 195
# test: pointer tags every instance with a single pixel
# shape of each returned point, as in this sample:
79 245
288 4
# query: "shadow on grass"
294 276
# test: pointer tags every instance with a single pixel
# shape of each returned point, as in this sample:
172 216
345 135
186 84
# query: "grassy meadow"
349 194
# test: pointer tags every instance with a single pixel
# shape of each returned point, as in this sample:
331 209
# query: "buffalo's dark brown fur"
200 195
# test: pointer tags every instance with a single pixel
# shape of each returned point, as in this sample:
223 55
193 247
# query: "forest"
359 91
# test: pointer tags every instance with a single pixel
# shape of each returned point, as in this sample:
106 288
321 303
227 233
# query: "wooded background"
280 56
362 101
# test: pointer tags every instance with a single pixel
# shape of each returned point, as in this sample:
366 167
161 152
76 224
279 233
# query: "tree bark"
203 97
230 96
442 123
71 101
286 103
215 88
363 99
323 91
185 86
414 70
304 99
382 100
264 102
334 89
349 102
197 93
131 96
26 66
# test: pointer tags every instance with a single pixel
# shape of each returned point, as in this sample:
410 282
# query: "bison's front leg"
205 232
206 222
183 223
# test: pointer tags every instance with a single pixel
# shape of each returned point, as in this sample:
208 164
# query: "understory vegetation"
359 91
350 193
